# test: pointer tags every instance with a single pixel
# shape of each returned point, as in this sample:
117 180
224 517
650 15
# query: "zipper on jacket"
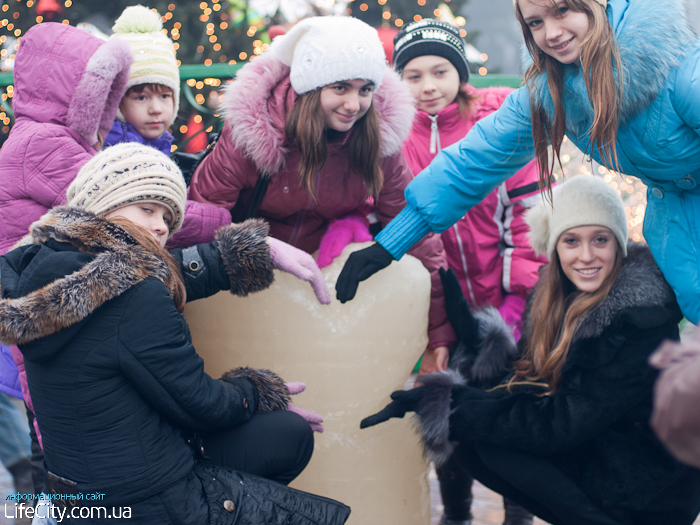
434 135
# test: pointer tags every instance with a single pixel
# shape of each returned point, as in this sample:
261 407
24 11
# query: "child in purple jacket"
149 107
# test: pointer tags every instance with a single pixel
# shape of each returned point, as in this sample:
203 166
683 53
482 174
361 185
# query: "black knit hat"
430 37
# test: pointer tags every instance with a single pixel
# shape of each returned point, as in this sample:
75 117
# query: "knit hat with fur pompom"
583 200
154 57
128 173
323 50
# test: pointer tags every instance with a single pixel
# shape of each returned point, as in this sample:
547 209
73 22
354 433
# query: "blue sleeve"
463 174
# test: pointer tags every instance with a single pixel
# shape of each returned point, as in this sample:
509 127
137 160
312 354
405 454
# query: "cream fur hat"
604 3
583 200
325 49
127 173
154 56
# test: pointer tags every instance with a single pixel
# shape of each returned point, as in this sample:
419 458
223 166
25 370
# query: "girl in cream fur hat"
565 432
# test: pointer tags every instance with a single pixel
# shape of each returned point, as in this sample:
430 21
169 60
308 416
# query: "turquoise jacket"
658 141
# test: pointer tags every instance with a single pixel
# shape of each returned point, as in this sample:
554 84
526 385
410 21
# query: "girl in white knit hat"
314 126
95 308
564 431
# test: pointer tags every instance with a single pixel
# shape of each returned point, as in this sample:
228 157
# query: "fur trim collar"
257 102
653 36
96 99
119 264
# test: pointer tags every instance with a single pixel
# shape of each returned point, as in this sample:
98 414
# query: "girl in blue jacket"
619 78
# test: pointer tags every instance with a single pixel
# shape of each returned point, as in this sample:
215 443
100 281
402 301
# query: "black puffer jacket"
595 427
115 379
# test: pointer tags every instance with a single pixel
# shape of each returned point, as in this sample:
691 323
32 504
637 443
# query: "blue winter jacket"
658 141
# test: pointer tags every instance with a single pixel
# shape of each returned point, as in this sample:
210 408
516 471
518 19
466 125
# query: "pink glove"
512 311
341 232
300 264
313 418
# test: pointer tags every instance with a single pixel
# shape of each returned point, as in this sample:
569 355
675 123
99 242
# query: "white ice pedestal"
351 356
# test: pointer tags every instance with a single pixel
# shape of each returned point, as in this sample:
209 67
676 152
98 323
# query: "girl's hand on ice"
289 259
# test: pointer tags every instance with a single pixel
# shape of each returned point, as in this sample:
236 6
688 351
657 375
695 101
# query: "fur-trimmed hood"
258 99
653 36
68 77
118 264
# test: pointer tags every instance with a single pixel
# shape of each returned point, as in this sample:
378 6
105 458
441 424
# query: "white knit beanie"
326 49
127 173
583 200
154 57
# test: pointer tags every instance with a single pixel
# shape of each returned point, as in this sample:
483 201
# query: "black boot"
515 514
456 492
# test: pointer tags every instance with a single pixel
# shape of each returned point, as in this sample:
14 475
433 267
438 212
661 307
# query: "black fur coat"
595 427
115 379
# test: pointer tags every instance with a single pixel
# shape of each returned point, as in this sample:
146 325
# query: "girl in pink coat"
488 248
318 120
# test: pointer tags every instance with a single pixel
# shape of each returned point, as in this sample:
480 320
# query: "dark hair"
305 127
156 88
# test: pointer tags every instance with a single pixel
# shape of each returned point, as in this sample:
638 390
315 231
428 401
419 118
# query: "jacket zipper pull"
434 135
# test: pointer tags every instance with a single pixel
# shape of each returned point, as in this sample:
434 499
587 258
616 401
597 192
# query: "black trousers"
274 445
533 482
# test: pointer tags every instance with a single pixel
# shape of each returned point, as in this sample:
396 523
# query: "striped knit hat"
128 173
154 57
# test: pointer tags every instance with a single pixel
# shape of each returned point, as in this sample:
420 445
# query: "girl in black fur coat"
125 408
566 434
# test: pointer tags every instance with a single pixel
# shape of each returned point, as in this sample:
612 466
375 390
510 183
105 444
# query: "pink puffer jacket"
68 85
488 248
252 145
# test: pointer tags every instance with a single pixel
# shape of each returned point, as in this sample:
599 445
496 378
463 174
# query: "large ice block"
351 356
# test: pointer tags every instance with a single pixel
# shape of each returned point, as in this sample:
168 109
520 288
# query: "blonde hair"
556 313
600 61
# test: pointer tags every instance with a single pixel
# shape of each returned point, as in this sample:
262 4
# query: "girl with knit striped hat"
619 79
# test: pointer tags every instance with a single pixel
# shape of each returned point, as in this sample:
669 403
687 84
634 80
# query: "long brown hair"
600 60
174 282
557 311
305 127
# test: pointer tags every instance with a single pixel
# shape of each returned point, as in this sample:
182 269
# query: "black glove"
403 401
465 325
361 265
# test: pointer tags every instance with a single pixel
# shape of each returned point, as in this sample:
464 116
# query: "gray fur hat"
583 200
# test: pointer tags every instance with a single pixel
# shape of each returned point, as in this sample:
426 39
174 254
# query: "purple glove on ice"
300 264
313 418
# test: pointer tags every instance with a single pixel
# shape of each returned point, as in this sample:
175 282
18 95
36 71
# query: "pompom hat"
431 37
154 57
323 50
583 200
128 173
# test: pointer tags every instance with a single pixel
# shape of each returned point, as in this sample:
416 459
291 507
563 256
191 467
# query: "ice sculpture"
351 356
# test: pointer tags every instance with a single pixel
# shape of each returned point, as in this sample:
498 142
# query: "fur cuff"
246 256
433 414
273 394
